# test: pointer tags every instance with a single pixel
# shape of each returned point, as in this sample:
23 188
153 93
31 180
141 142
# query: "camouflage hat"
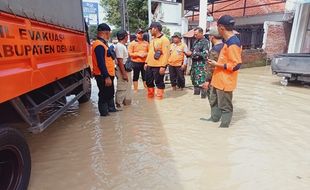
177 34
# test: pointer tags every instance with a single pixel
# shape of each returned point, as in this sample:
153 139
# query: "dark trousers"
137 69
177 76
221 99
152 75
221 105
105 94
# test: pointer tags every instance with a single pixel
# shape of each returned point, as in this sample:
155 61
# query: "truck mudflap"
39 108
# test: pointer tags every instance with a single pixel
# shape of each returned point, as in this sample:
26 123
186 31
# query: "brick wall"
276 38
254 58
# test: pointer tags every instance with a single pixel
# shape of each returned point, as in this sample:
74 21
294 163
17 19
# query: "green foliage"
166 31
114 32
137 13
92 31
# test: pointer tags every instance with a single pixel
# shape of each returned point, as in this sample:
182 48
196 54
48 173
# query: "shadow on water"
239 115
127 150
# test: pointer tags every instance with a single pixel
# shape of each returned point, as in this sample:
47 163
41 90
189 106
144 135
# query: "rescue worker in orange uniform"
157 61
138 50
104 69
225 74
177 61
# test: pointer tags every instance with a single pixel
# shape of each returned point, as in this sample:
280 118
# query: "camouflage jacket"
214 55
200 50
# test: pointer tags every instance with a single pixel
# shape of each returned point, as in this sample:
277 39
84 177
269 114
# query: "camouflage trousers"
198 73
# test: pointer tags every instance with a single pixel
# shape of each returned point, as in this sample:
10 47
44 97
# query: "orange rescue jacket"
177 54
138 47
230 57
162 44
109 62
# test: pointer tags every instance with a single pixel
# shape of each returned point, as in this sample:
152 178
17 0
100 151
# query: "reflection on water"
163 145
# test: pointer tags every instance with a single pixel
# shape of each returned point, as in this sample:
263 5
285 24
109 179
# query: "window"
251 36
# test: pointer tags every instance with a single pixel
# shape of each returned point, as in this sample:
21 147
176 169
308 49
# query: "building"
169 14
266 27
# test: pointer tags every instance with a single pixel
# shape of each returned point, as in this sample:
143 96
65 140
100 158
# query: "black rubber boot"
226 119
196 91
104 109
111 105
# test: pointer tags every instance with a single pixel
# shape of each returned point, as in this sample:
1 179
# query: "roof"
238 7
189 34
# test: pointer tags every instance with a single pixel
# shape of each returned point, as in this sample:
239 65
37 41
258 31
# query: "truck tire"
86 88
15 161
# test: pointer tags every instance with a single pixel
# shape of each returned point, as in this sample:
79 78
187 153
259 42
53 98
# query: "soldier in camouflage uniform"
218 44
199 56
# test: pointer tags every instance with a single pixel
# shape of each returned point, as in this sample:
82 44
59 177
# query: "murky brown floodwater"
162 145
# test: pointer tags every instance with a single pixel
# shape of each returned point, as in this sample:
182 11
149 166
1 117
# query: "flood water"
162 145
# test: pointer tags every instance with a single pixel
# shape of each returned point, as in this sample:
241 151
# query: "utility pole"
183 5
149 10
124 15
149 7
203 8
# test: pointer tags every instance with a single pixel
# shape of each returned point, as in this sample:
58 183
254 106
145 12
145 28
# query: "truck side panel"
64 13
33 54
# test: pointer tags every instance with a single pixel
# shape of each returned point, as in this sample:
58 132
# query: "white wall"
169 14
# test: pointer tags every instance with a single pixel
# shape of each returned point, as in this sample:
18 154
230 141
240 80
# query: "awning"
189 34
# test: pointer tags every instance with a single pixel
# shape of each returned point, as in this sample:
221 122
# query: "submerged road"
162 145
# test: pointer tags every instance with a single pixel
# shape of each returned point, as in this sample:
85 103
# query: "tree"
166 31
92 31
137 13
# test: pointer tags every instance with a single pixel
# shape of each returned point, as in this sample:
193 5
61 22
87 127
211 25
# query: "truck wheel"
15 162
86 88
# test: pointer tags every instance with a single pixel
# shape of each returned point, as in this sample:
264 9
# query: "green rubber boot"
226 119
216 115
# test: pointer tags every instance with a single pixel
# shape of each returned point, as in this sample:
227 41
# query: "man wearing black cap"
138 51
225 75
156 61
104 70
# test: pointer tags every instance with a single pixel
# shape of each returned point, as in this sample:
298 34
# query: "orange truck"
44 51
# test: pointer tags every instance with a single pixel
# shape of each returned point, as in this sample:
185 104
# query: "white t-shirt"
121 52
